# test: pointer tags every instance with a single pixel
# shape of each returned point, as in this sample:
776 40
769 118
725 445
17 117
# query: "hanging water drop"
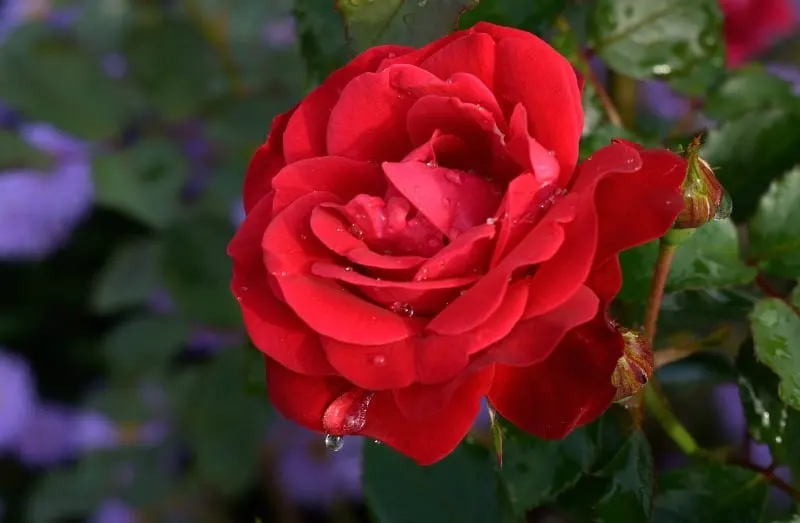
403 308
725 208
334 443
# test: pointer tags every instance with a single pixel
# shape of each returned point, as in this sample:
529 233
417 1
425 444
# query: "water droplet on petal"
454 176
376 442
491 221
402 308
356 231
347 414
432 164
551 153
334 443
348 269
379 360
303 237
725 208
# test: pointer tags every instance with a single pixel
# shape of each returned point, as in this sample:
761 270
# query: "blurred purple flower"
45 439
15 12
728 406
789 73
281 32
663 101
237 214
114 65
114 511
38 210
17 398
308 473
206 340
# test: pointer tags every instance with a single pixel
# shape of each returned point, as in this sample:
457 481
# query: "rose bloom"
751 25
417 238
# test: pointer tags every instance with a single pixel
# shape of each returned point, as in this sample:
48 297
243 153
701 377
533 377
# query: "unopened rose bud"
634 367
703 196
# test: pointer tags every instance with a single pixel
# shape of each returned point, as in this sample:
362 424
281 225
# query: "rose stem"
586 69
666 251
623 92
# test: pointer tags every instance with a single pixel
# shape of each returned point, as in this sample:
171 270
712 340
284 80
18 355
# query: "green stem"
657 405
623 92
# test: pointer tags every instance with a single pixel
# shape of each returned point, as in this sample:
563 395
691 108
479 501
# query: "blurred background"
128 390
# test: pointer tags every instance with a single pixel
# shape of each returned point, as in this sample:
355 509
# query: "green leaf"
679 40
16 153
637 271
223 424
629 497
750 150
776 333
775 228
171 62
536 17
129 278
70 493
408 22
770 420
144 346
48 77
747 90
197 270
459 489
143 182
322 38
709 259
709 492
698 310
536 471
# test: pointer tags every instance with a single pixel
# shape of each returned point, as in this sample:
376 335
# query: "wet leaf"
776 334
676 40
409 22
775 228
709 492
629 496
709 259
535 17
129 277
459 489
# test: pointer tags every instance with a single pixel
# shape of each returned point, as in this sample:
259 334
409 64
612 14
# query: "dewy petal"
452 200
373 367
570 388
530 72
272 326
265 163
478 303
300 398
305 135
428 440
468 254
648 181
409 297
472 53
528 152
340 176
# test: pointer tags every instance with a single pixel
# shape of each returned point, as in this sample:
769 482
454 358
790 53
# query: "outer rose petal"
570 388
530 72
428 440
306 131
272 326
265 164
472 53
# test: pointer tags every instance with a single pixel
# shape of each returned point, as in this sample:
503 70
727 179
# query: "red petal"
528 152
265 163
340 176
452 200
302 399
467 254
305 135
373 367
572 387
530 72
475 306
472 53
428 440
406 297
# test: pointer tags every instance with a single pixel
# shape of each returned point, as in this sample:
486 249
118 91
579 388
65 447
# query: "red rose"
752 25
416 240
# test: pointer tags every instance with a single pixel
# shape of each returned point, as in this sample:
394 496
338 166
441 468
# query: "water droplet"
402 308
765 421
725 207
662 69
551 153
303 237
778 440
376 442
349 268
491 221
454 177
334 443
356 231
244 288
379 360
433 164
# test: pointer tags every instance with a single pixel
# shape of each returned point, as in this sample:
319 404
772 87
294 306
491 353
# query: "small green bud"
703 196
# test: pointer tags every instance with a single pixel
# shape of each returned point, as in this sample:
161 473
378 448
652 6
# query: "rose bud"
419 239
703 195
635 367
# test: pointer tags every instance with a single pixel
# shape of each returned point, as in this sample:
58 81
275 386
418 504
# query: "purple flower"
663 101
17 398
46 439
788 73
308 473
15 12
114 511
281 33
39 210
